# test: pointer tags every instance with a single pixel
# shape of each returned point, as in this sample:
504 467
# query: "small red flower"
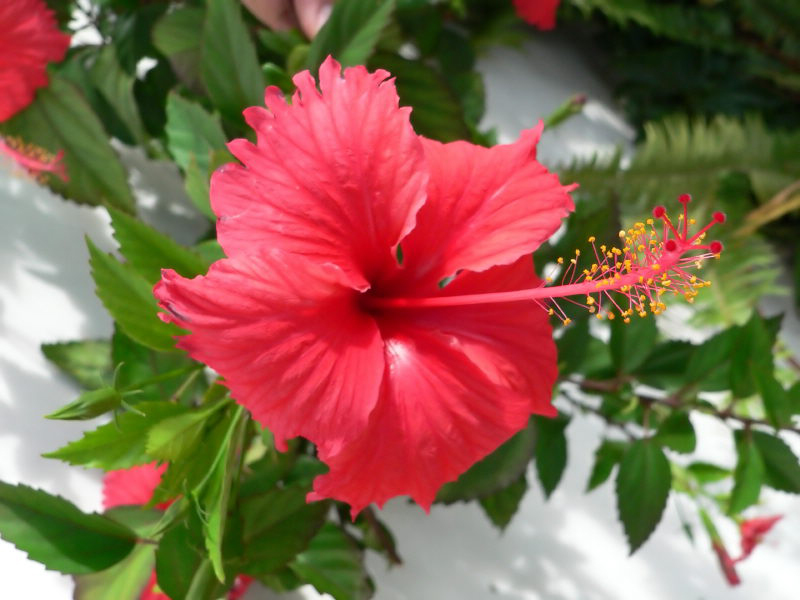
753 532
727 564
29 39
541 13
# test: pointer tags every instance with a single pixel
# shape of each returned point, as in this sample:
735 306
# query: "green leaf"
87 361
148 251
176 37
776 401
88 405
123 581
334 565
175 438
178 558
606 457
551 451
572 346
116 86
229 64
57 534
781 466
711 356
436 112
60 119
192 133
501 506
494 472
119 444
676 432
631 343
212 499
708 473
748 476
643 484
752 353
351 32
129 298
278 525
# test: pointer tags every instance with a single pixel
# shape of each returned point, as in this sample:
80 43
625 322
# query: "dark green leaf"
60 119
501 506
776 401
665 367
676 432
178 558
632 342
86 361
752 352
57 534
748 476
229 65
277 525
494 472
129 298
781 466
351 32
148 251
88 405
643 484
572 346
711 355
177 36
124 581
551 451
116 86
119 444
334 565
606 457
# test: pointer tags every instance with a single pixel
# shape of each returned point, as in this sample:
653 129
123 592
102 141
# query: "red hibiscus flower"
541 13
376 295
727 564
34 160
29 39
753 532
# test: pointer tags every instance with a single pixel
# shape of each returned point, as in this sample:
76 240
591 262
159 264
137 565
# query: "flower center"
624 280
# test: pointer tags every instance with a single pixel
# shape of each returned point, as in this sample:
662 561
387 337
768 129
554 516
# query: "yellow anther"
693 279
591 239
589 300
692 221
610 316
573 261
567 321
649 221
621 234
599 316
626 320
551 312
560 260
642 313
592 310
604 268
577 253
655 267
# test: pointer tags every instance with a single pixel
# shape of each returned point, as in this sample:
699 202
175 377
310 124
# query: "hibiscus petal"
498 203
134 486
337 176
289 339
437 415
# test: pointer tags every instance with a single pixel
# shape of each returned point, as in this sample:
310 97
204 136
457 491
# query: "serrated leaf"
148 250
174 438
748 476
631 343
116 86
54 532
119 444
123 581
643 484
176 37
677 433
351 32
781 465
87 361
501 506
711 355
229 65
192 133
606 457
88 405
777 404
752 353
60 119
278 525
334 565
129 298
494 472
179 557
551 451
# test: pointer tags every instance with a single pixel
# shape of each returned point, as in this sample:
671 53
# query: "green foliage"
123 581
631 343
89 405
781 466
551 451
60 119
749 474
57 534
643 485
176 37
502 505
129 298
179 558
88 362
677 433
606 457
351 32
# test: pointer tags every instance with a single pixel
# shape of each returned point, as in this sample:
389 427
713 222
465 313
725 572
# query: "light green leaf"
643 483
192 133
229 64
748 476
129 298
119 444
60 119
176 36
334 565
551 451
148 250
87 361
88 405
708 473
351 32
123 581
677 433
57 534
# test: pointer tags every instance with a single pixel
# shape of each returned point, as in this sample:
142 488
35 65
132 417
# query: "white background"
570 548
